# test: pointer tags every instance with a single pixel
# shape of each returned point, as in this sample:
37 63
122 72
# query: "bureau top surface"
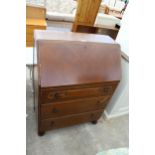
71 36
64 62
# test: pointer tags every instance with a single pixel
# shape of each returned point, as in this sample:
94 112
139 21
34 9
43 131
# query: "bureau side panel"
36 86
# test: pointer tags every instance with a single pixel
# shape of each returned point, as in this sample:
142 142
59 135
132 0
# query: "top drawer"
48 95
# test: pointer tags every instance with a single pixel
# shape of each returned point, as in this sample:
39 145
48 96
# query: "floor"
84 139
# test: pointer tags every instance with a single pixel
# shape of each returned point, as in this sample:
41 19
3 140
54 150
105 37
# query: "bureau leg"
41 133
94 122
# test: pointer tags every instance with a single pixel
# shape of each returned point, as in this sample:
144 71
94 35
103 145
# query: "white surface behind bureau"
119 103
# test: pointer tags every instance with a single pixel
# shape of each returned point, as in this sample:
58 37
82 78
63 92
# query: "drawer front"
72 107
49 124
48 96
30 29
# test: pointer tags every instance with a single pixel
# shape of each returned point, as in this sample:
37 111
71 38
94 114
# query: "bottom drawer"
60 122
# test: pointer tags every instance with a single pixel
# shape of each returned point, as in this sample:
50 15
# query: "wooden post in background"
86 13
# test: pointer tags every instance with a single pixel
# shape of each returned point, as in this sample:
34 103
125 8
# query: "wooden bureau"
75 76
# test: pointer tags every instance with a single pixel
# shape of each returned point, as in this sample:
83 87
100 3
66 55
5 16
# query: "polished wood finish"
76 71
71 36
86 13
70 107
35 19
50 95
74 78
99 29
53 123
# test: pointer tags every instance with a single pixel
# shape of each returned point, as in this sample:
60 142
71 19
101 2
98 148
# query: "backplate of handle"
55 110
59 95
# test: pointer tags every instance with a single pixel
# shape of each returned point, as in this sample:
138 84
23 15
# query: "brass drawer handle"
107 90
51 95
54 110
56 95
59 95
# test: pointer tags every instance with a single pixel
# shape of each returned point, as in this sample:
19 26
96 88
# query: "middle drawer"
48 96
57 109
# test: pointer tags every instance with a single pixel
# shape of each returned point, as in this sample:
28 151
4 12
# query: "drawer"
30 29
48 95
48 124
72 107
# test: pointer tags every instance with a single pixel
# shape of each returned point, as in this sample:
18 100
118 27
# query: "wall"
59 6
36 2
123 35
119 103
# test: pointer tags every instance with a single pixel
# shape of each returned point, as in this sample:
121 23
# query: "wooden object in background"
35 11
104 9
106 30
86 13
35 19
109 11
99 29
75 76
85 17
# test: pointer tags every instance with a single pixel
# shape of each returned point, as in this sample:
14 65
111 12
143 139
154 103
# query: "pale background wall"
61 6
67 6
37 2
119 104
123 35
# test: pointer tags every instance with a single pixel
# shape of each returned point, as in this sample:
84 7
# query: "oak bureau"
74 77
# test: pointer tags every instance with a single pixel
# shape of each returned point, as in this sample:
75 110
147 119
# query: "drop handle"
54 110
107 89
56 95
59 95
51 96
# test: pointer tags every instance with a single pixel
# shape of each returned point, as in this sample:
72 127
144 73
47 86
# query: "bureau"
75 77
